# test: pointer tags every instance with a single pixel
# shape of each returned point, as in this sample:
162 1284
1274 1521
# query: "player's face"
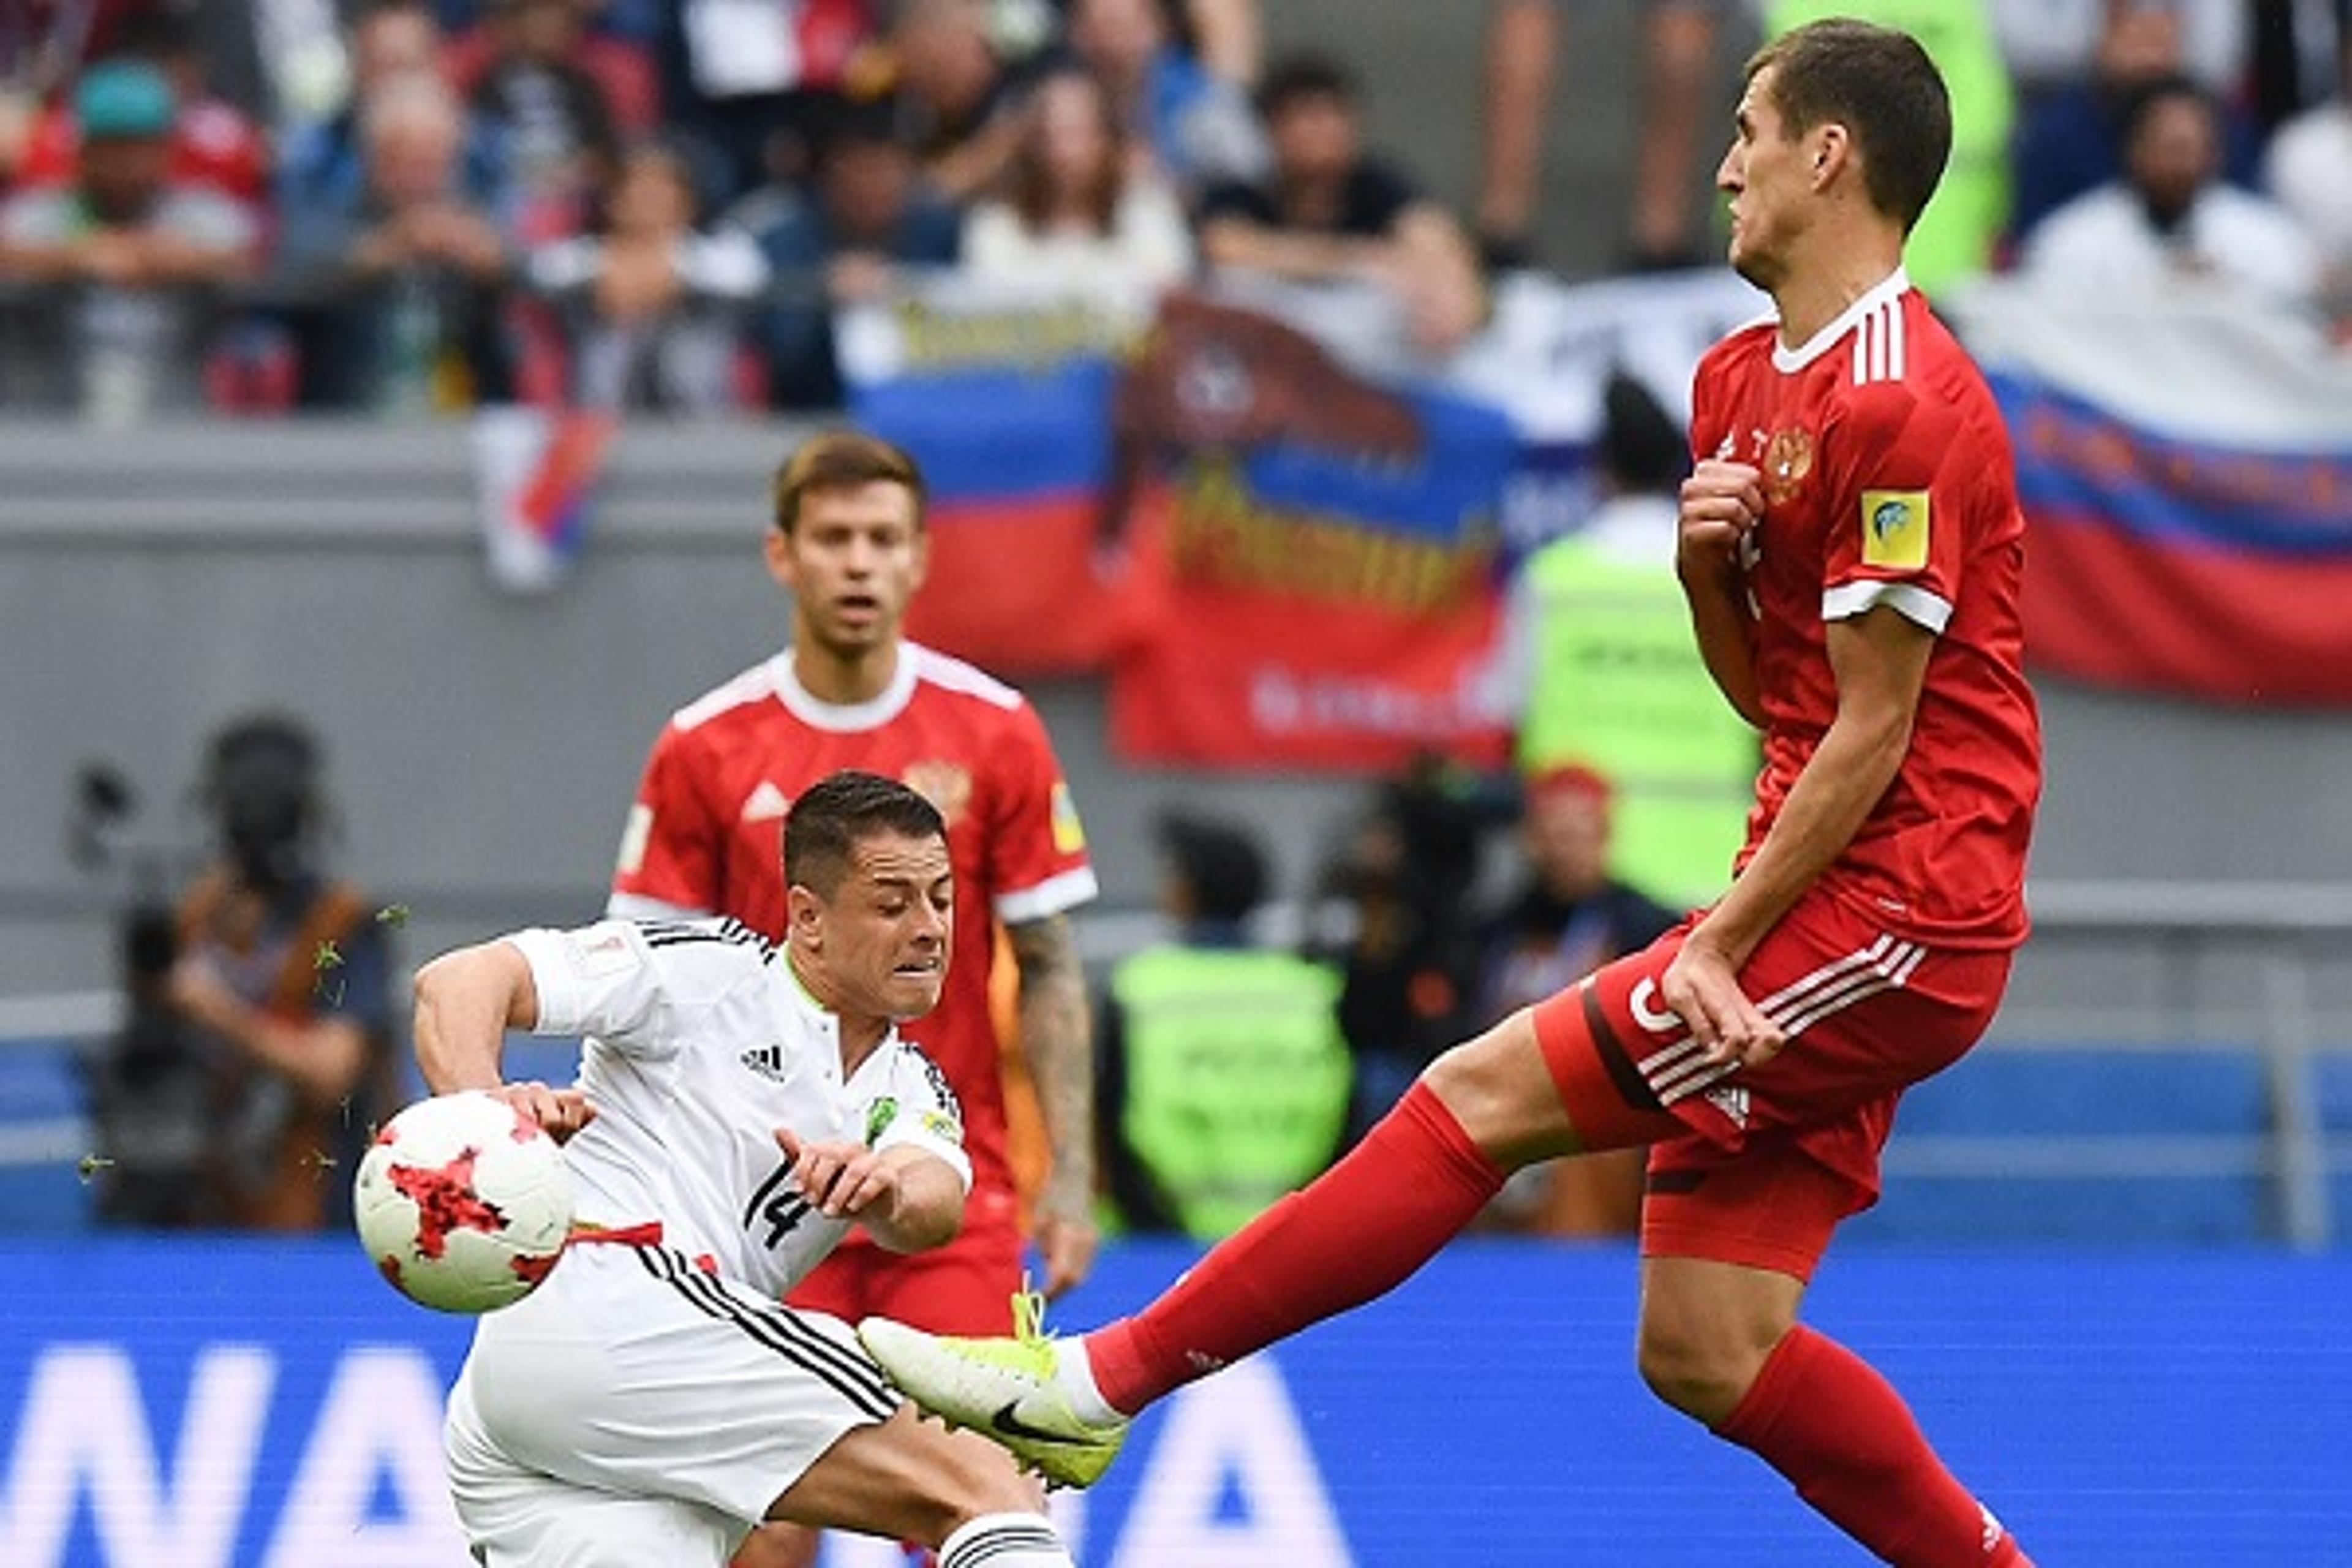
882 939
1765 174
851 562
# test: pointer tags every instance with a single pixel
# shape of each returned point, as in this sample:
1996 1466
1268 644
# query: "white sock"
1005 1540
1074 1374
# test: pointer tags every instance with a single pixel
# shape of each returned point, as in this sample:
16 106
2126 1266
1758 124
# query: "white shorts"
637 1409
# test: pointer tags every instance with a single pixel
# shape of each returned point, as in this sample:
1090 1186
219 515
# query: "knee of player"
1702 1373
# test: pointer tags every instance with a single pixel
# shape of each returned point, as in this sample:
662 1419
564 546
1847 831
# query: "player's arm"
1880 661
1720 503
1056 1034
465 1001
907 1197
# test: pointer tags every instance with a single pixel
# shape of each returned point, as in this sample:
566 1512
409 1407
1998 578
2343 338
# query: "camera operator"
257 1058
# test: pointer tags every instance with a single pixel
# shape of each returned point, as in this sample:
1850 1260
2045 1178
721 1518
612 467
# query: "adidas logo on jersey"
766 804
1731 1100
767 1061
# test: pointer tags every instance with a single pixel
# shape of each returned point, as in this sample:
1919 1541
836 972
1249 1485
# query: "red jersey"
1888 480
705 832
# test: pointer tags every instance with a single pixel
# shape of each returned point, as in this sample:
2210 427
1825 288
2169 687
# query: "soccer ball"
463 1203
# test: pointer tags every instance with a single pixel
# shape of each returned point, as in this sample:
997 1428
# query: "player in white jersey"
739 1107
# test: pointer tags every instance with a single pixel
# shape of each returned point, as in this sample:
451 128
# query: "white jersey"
700 1043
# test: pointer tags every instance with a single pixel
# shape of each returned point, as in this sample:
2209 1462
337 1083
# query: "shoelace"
1029 1314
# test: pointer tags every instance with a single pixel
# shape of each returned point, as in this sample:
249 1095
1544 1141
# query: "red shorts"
963 1288
1757 1166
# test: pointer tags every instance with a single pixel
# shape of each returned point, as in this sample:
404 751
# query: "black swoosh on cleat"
1008 1423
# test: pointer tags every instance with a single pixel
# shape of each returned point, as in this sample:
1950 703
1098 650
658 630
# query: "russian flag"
2186 470
1016 458
536 474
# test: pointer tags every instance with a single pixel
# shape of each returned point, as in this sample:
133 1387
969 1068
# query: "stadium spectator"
2054 45
1523 44
868 217
1332 214
755 82
322 165
591 41
1227 37
2309 171
2071 142
116 277
412 266
1567 918
260 1058
1223 1081
652 306
2170 221
1081 217
1198 126
213 142
548 129
959 95
848 544
731 1076
1874 633
1601 672
1392 916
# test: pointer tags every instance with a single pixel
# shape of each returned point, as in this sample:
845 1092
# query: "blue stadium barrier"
216 1402
43 1191
2136 1107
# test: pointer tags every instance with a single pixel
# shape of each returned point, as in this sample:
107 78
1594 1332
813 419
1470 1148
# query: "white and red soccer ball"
463 1203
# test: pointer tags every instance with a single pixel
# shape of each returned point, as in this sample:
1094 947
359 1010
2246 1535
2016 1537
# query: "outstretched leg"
1419 1177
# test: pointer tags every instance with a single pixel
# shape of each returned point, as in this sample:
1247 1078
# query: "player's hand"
1702 986
842 1180
560 1112
1067 1239
1721 501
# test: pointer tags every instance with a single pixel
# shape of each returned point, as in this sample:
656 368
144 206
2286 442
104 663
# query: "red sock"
1819 1416
1356 1233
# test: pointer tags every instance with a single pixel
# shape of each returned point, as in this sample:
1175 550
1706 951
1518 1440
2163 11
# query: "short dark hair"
843 810
842 460
1296 78
1218 861
2145 98
1879 84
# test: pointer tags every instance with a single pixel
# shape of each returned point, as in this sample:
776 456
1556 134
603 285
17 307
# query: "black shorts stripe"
858 1380
1632 1087
854 1378
994 1543
782 1330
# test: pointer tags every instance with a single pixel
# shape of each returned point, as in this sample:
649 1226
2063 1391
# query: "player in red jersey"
1851 546
851 692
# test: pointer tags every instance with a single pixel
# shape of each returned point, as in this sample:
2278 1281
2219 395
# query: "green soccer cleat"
1004 1389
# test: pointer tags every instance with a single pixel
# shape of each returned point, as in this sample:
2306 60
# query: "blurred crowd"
421 205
